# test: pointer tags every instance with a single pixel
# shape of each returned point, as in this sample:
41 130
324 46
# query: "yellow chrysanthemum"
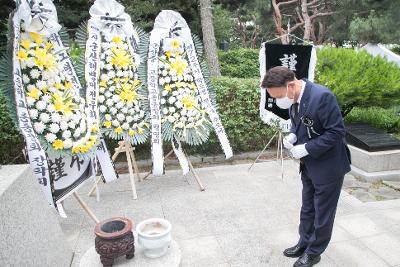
67 85
26 43
175 43
58 144
58 86
179 65
188 101
107 124
44 59
76 149
103 83
118 130
22 55
120 58
116 39
48 46
63 103
95 129
168 54
168 88
127 93
131 132
34 93
140 130
37 38
193 86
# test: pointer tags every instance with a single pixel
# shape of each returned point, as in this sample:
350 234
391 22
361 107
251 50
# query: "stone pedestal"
29 229
375 166
171 259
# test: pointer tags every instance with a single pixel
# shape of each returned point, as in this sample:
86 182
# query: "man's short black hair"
277 77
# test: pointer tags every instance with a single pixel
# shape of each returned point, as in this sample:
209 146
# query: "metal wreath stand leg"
279 151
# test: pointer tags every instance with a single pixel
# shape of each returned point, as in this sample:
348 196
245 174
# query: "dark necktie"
295 112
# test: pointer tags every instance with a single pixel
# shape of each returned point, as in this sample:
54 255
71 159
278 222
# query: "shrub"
386 119
358 79
239 63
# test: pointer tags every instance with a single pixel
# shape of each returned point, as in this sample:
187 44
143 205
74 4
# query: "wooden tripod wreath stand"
133 168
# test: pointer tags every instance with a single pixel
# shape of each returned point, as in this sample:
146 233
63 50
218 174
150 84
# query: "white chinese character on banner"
289 61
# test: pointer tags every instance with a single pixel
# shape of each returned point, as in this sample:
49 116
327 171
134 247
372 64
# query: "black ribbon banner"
296 58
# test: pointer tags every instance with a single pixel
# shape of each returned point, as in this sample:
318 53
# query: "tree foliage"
358 79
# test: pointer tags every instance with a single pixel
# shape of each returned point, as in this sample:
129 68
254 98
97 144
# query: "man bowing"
317 140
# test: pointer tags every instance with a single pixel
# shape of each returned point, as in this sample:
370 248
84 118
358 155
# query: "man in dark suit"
317 140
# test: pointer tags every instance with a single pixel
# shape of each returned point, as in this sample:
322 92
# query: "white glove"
299 151
289 140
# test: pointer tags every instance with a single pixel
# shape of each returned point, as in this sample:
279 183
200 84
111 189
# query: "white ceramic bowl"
154 235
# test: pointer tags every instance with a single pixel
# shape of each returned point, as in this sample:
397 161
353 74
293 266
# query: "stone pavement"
242 219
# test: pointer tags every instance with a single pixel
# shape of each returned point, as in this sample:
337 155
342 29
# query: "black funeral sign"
295 58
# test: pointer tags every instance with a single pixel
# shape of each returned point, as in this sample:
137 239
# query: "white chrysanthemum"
167 79
54 128
72 125
129 105
164 93
51 108
110 102
174 78
102 108
120 73
33 113
178 104
34 74
113 111
108 67
115 123
44 117
25 79
164 73
108 94
111 74
141 113
46 98
63 125
101 98
30 63
77 133
50 137
183 112
124 110
171 119
41 105
66 134
107 117
175 93
55 117
171 109
190 125
67 143
131 111
111 89
162 101
179 125
41 85
120 117
104 77
176 115
161 81
39 127
30 101
171 100
120 105
125 126
136 117
116 98
129 119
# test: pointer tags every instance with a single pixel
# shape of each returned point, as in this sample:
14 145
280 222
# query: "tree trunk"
209 41
307 20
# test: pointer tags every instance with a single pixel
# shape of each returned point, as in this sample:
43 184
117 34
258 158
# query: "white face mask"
284 102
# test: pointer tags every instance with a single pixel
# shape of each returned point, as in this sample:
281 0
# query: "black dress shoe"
294 252
307 260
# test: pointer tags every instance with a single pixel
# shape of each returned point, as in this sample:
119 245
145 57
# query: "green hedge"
238 101
239 63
